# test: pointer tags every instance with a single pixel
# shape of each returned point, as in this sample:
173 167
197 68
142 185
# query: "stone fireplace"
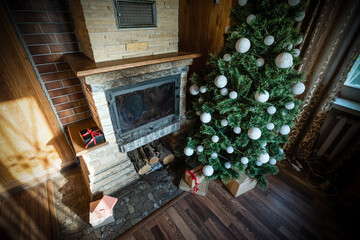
134 81
134 101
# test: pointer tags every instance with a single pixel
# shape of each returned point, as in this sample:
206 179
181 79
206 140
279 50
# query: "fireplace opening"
139 109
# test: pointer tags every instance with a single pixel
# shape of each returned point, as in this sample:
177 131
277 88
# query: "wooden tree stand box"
241 185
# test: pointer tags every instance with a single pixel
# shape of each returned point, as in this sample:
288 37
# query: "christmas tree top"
245 98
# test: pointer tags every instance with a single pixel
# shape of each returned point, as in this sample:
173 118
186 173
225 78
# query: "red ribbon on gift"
92 134
192 175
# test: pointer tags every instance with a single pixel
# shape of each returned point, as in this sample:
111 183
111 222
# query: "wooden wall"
31 140
201 28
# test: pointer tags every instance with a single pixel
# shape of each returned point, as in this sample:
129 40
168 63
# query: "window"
135 13
351 88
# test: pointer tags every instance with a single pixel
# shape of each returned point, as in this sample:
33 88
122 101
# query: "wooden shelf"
78 144
84 66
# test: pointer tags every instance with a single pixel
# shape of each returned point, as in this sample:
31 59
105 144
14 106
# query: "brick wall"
47 29
107 42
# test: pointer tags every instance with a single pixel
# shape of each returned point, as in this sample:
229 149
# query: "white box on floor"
101 211
241 185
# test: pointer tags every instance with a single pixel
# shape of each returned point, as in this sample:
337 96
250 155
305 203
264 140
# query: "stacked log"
146 156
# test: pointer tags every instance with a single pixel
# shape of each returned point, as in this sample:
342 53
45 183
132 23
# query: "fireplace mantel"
84 66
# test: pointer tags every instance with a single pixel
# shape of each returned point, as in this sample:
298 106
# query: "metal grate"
136 14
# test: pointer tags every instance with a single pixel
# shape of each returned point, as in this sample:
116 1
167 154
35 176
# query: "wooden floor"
289 209
28 214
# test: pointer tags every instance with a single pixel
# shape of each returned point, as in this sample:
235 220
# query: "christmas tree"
244 99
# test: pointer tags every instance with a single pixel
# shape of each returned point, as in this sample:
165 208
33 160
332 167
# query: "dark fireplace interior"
141 108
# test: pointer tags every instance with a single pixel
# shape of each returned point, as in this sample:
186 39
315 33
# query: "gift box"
101 211
92 136
194 174
241 185
202 187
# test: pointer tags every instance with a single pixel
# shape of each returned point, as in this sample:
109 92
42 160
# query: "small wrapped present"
92 136
201 189
101 211
241 185
194 176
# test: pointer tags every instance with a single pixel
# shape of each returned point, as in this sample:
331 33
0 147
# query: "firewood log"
141 164
150 153
166 156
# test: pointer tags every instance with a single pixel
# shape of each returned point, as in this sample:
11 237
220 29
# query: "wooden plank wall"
31 140
202 27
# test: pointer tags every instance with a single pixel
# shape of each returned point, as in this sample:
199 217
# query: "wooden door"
31 141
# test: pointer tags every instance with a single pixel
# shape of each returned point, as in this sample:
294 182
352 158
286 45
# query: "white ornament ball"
272 161
242 2
262 97
215 139
244 160
242 45
227 57
220 81
208 170
263 157
200 148
237 130
230 149
293 2
188 151
284 130
284 112
250 18
252 108
271 110
200 100
224 122
269 40
194 90
289 105
254 133
281 151
227 28
198 113
233 95
298 88
270 126
202 89
258 163
263 145
284 60
224 91
205 117
300 16
296 52
299 41
214 155
227 165
260 62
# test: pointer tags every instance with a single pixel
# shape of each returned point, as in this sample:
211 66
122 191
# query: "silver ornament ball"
200 148
284 130
205 117
284 60
224 122
215 138
271 110
270 126
237 130
244 160
260 62
224 91
250 18
269 40
188 151
262 96
289 105
227 57
298 88
194 90
202 89
230 149
227 165
233 95
208 170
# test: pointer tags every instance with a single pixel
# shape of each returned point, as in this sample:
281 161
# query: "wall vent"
135 13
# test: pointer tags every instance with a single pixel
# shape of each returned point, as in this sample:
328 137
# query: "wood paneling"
29 214
202 28
84 66
31 141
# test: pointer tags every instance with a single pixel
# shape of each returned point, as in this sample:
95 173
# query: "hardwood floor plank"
168 227
195 226
181 225
157 233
